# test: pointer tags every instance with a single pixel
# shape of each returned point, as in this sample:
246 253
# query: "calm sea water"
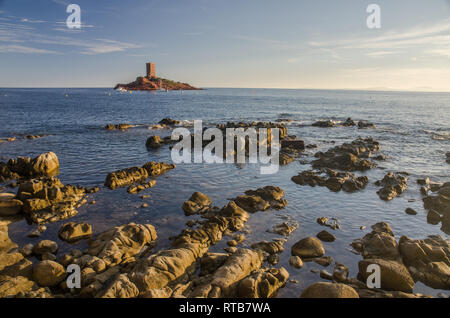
413 129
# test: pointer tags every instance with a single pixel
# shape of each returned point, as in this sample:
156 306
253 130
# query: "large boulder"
309 247
48 273
393 275
46 164
329 290
428 260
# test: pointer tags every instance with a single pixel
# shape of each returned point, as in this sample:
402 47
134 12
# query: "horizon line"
259 88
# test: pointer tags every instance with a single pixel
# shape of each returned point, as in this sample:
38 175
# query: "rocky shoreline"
121 262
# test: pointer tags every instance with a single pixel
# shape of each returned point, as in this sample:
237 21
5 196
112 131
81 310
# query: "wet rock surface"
46 164
333 180
73 232
348 156
127 177
48 200
438 207
393 184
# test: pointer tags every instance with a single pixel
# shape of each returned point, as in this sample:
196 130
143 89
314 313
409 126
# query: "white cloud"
24 50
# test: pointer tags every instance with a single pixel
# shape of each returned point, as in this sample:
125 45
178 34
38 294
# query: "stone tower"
150 70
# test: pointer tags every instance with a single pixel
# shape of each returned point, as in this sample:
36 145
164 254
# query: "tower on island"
150 70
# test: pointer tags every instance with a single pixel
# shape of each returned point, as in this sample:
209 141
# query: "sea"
413 129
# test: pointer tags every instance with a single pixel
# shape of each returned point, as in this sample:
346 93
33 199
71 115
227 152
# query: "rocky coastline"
121 262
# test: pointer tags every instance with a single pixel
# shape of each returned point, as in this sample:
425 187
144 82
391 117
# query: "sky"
234 43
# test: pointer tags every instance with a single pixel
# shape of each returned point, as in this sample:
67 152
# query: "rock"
273 247
324 123
211 262
340 273
425 181
393 275
46 164
232 243
365 124
129 176
348 156
9 205
296 144
169 122
308 247
120 243
21 287
48 200
428 260
144 205
72 232
197 203
333 180
393 184
433 217
380 243
326 236
329 290
45 246
48 273
284 228
263 284
225 281
325 275
323 261
121 127
154 142
296 262
27 250
48 257
252 203
410 211
349 122
121 287
230 250
331 223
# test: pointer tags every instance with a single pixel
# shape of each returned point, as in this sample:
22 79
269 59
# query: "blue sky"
232 43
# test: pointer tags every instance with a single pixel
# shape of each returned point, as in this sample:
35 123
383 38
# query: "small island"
151 83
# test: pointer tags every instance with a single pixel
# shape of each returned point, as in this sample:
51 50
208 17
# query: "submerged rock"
393 184
169 122
284 228
348 156
333 180
121 127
